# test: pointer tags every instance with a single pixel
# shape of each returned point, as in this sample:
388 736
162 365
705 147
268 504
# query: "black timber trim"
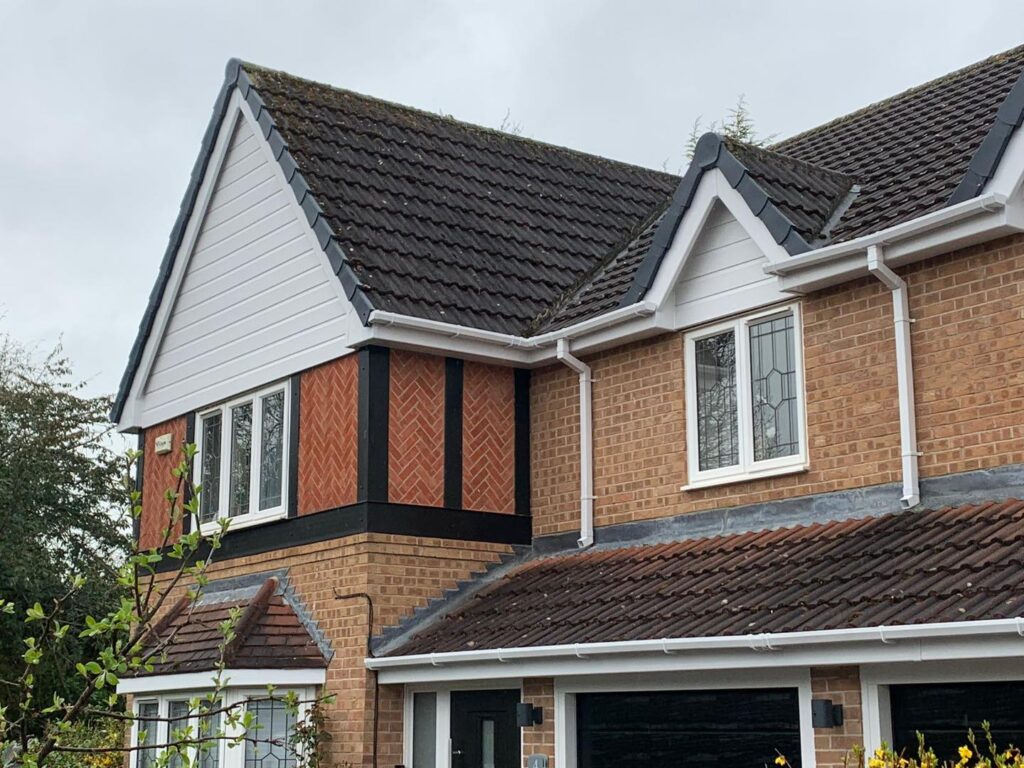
140 468
374 395
522 441
453 388
986 158
711 152
370 517
236 76
295 389
190 439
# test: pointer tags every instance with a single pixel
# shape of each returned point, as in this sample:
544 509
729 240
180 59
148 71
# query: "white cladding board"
256 300
724 273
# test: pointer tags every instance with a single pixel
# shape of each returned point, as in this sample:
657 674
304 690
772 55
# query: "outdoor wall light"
825 714
527 715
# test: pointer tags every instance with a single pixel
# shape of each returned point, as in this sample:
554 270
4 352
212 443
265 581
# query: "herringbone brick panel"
156 480
488 436
416 429
328 433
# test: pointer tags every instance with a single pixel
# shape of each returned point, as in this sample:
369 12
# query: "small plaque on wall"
162 444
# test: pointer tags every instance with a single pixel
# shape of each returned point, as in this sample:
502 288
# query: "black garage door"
741 728
944 712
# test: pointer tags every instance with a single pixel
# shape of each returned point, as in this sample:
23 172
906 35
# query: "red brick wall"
488 438
842 686
969 378
328 435
416 429
157 480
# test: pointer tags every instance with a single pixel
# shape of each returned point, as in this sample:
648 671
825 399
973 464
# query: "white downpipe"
586 443
904 373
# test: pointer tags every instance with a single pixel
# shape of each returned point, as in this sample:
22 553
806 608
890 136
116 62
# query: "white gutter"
389 319
904 373
769 641
987 203
586 538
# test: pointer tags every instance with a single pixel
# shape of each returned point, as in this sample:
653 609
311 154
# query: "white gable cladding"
724 273
253 300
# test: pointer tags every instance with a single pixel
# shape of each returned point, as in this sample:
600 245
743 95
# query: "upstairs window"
241 460
745 399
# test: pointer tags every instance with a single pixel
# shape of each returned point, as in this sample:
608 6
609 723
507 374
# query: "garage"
653 728
943 713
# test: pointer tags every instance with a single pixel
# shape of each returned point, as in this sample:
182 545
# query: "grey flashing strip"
711 152
986 158
236 76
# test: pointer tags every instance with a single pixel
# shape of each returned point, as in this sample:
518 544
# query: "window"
241 458
744 398
173 720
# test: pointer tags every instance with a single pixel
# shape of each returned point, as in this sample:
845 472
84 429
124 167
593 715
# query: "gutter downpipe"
563 354
904 373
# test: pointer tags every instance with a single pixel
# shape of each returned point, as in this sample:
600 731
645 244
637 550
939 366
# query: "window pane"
274 747
177 723
717 420
149 709
773 383
272 450
424 730
209 725
487 743
209 476
241 459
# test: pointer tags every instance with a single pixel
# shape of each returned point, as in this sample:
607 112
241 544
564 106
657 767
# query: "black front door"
484 732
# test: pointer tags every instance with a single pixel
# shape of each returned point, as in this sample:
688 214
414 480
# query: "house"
535 456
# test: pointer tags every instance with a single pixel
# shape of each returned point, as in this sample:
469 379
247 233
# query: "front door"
484 732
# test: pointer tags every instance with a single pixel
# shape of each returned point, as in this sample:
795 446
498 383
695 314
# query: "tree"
59 491
737 125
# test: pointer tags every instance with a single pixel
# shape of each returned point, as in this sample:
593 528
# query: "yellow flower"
965 753
876 762
780 760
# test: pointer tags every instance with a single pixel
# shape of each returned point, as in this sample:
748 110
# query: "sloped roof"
947 565
269 632
423 215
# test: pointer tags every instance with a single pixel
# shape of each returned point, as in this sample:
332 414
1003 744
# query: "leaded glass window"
271 744
718 433
241 459
149 729
209 725
209 476
773 381
271 449
177 729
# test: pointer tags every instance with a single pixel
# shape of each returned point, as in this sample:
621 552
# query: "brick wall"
156 480
969 376
540 739
416 429
400 574
328 434
488 438
842 686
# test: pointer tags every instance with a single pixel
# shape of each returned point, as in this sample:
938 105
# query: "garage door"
944 712
677 728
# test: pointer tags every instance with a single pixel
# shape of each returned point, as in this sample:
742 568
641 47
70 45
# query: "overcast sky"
103 104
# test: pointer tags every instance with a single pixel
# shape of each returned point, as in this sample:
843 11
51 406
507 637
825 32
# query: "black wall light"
527 715
825 714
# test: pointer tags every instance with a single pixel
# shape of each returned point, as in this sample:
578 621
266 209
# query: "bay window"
745 399
241 459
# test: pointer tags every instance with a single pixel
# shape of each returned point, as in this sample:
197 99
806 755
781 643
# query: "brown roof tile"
952 564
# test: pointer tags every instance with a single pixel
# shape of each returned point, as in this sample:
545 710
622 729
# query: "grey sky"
103 104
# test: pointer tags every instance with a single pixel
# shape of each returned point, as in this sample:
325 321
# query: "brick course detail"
416 429
842 686
488 438
157 480
328 433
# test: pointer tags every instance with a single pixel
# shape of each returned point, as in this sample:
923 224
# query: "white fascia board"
948 641
235 678
983 218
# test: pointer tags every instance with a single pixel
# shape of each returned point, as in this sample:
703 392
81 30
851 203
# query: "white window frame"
228 757
255 516
747 468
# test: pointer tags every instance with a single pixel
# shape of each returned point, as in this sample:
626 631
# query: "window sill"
746 477
244 521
